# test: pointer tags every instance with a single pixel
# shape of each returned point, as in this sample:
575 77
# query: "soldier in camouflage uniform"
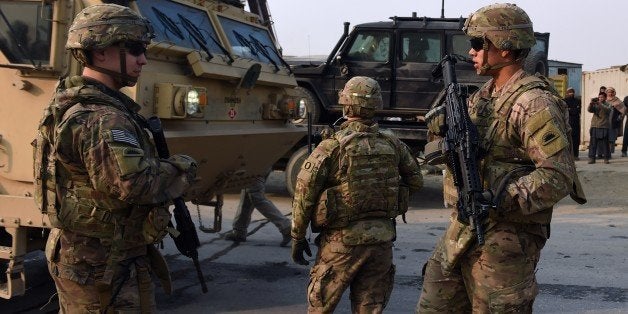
351 188
524 135
111 190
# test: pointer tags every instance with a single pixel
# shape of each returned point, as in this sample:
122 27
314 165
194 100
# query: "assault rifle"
187 241
460 148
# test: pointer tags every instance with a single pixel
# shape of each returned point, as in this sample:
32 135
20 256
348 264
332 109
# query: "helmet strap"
486 67
121 77
348 111
123 74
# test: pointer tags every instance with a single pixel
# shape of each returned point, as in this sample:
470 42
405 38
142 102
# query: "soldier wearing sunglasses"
98 174
525 161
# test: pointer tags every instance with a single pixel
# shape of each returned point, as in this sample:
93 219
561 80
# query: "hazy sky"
592 33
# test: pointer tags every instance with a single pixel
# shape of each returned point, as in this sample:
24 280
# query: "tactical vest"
67 196
502 147
500 143
369 181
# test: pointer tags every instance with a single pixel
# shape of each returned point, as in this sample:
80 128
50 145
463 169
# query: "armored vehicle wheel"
293 168
310 104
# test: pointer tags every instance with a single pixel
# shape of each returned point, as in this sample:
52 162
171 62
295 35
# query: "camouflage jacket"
322 170
107 164
524 129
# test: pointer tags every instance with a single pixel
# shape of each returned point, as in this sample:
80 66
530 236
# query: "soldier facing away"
351 188
107 192
524 135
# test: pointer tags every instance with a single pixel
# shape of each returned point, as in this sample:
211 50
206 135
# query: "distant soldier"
352 187
104 187
524 134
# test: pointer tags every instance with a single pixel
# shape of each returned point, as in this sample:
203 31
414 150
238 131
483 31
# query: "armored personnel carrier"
214 76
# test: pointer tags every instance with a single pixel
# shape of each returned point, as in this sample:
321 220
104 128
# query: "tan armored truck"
214 77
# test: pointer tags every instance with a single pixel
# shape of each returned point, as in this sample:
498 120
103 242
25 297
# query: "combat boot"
286 238
236 235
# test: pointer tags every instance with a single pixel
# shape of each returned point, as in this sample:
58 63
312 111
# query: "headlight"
174 101
192 101
301 109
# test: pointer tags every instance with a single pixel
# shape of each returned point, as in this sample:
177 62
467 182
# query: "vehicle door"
367 53
418 51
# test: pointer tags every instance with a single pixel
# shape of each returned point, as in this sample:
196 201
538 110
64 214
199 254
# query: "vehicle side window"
25 32
420 47
461 45
370 46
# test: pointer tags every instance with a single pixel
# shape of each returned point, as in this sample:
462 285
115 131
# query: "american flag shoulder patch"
122 136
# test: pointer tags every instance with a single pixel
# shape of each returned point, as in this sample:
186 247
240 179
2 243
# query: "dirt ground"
605 184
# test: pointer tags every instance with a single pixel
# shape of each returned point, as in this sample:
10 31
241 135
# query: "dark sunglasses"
135 48
477 43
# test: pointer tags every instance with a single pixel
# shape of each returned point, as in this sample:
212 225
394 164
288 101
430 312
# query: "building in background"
565 75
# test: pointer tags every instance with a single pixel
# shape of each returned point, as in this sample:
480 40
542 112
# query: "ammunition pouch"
333 212
326 209
155 226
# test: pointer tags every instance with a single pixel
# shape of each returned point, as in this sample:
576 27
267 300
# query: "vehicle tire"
535 63
293 167
312 105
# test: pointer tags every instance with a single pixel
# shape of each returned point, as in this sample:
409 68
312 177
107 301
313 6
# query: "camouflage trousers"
497 277
81 294
366 269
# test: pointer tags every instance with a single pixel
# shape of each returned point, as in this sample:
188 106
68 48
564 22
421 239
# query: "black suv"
400 54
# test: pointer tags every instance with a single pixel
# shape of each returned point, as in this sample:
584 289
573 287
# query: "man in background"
574 106
254 196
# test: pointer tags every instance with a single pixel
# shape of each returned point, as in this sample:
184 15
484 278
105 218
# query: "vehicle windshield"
251 42
181 25
25 32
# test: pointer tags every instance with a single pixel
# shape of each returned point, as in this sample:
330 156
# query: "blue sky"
592 33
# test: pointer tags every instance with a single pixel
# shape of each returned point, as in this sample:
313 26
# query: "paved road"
583 268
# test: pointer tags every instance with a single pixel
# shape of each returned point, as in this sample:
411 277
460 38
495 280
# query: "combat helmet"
505 25
102 25
360 97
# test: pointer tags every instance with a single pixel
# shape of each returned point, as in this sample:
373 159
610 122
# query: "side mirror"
250 77
338 59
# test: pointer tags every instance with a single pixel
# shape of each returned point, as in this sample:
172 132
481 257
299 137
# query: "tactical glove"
436 120
298 247
186 164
